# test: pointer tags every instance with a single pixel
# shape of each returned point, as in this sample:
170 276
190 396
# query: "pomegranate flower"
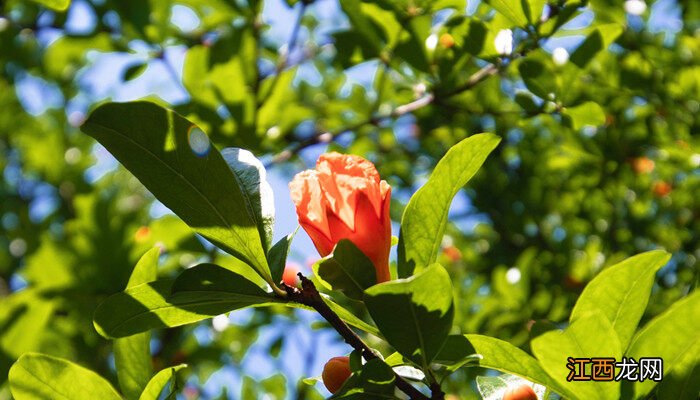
344 198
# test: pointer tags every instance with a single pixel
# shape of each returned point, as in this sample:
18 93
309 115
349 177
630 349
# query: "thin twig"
284 54
309 296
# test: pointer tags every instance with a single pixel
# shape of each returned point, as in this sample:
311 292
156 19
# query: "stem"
309 296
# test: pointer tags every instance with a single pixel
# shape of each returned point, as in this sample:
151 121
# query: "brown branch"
309 296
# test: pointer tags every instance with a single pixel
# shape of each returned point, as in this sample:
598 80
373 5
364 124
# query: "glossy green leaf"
512 10
414 314
175 160
132 355
456 352
672 336
277 256
586 114
41 377
621 292
57 5
348 270
425 218
375 380
157 383
198 293
252 179
502 356
588 336
533 9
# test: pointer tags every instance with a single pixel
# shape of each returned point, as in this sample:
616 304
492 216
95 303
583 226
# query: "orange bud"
446 40
522 392
344 198
289 276
335 373
642 165
661 188
142 234
452 253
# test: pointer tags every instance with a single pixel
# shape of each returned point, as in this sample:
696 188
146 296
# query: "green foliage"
132 355
38 376
425 217
414 314
177 163
680 355
347 270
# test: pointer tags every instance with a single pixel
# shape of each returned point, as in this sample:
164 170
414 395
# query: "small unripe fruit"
289 276
446 40
661 188
642 165
335 373
522 392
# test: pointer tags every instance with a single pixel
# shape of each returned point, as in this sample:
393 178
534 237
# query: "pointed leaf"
511 9
40 377
132 355
503 356
415 314
174 159
425 218
672 336
348 270
157 383
588 336
200 292
277 256
621 292
252 178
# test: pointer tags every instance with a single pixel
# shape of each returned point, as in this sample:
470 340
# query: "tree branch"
309 296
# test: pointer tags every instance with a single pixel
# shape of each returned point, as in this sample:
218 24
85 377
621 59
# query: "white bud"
504 42
560 56
431 42
635 7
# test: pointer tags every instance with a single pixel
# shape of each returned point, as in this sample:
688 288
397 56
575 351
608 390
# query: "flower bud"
522 392
446 40
344 198
289 276
335 373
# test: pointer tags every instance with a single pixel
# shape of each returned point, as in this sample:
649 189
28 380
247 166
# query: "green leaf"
277 256
374 381
132 355
600 39
502 356
456 352
621 292
588 336
425 217
414 314
538 78
586 114
533 9
134 71
348 270
200 292
37 376
175 160
57 5
252 179
157 383
511 9
672 336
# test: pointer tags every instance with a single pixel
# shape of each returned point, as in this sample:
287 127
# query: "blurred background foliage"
597 102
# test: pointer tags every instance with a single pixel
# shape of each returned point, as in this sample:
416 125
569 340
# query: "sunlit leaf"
348 270
425 217
414 314
41 377
175 160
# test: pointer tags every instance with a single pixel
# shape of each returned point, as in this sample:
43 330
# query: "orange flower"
344 198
